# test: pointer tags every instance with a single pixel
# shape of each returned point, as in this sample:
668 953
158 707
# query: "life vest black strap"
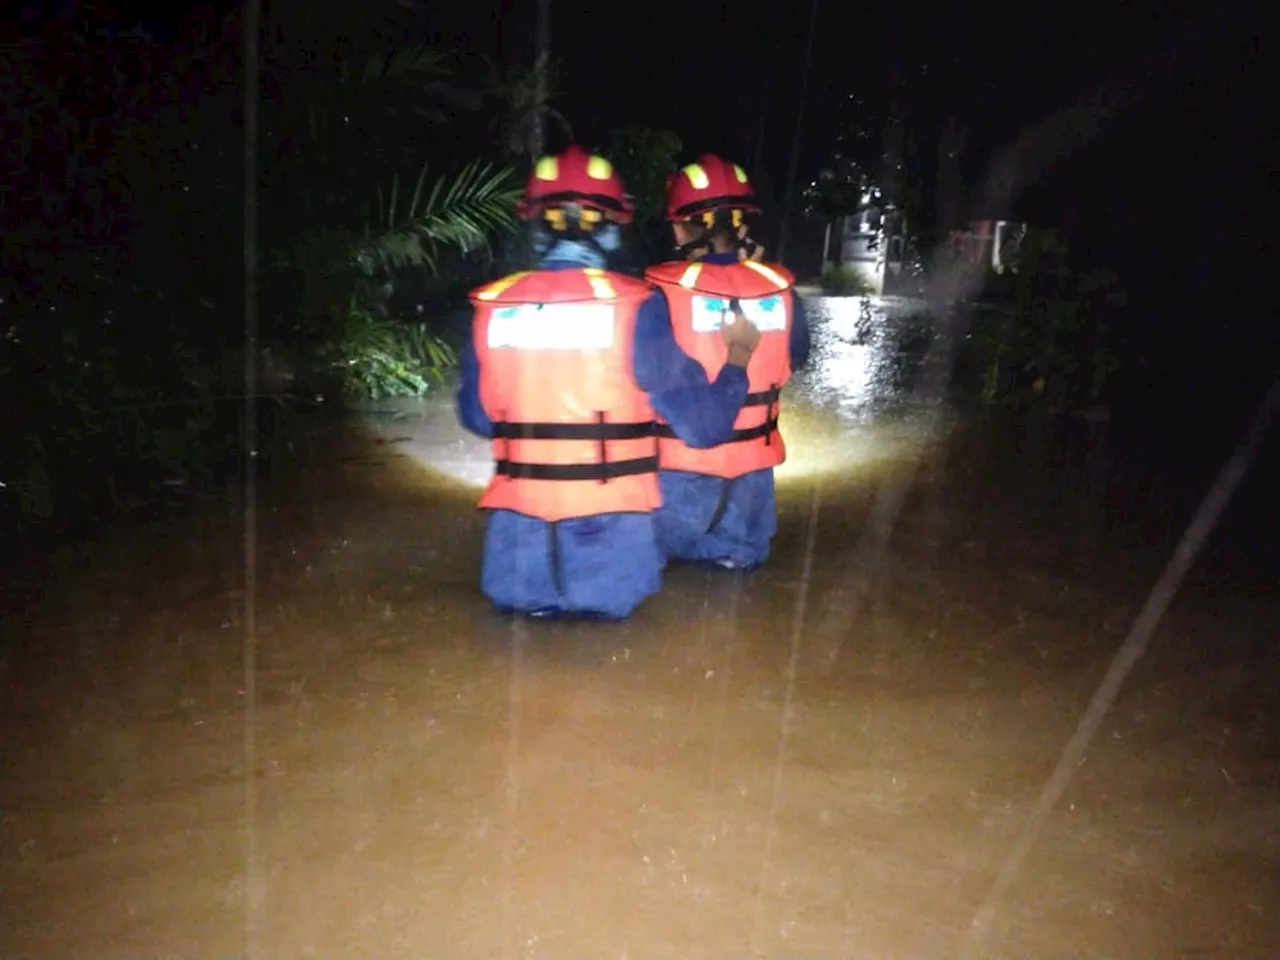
600 432
572 431
766 430
722 505
576 471
763 398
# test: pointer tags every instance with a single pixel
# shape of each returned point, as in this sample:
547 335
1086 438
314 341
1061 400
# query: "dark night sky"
1182 154
710 69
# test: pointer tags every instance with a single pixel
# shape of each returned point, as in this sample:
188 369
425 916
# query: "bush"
1047 339
121 343
383 357
121 401
839 280
377 354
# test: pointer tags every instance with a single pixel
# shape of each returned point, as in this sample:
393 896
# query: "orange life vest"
573 434
700 297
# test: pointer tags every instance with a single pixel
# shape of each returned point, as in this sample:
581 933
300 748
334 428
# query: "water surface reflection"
728 774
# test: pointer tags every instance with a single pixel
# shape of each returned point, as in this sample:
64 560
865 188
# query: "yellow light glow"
820 446
836 417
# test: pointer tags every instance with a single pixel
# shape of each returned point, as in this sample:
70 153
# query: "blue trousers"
727 522
599 567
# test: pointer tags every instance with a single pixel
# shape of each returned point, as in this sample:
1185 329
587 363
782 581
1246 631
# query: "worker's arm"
702 414
800 342
470 411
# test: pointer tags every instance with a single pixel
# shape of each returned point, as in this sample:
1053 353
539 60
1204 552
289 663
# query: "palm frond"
460 213
414 60
347 90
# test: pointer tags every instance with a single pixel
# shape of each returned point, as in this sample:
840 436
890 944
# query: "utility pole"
538 136
541 58
757 159
794 163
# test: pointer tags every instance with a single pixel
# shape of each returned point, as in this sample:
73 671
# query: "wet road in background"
831 757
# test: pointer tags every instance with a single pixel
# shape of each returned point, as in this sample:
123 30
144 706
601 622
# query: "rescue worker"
720 505
563 378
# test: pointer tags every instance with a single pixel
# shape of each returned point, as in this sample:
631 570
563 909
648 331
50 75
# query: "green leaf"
459 213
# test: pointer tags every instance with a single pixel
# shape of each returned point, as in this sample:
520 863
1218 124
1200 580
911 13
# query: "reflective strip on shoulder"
767 272
499 287
689 279
552 326
601 286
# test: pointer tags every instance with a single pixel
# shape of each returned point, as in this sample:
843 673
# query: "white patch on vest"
552 326
767 314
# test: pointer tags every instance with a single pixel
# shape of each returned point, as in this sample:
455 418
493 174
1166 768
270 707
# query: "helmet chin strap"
596 242
745 247
694 248
742 243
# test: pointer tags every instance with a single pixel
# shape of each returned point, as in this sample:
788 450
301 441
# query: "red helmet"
708 185
579 178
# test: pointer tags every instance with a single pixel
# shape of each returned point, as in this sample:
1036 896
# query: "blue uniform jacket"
708 519
605 565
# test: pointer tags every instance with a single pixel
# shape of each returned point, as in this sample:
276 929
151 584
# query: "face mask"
609 238
583 253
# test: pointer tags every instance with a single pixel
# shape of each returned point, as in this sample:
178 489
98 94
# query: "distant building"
990 243
873 245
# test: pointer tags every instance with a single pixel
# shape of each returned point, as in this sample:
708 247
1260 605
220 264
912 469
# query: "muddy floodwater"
832 757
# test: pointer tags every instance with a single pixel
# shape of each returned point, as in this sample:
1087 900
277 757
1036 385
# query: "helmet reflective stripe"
600 284
690 277
698 178
765 271
552 326
496 289
740 173
548 168
598 168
